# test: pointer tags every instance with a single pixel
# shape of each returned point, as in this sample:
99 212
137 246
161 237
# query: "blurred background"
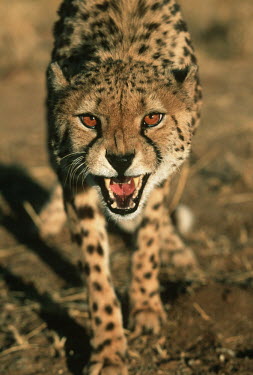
219 191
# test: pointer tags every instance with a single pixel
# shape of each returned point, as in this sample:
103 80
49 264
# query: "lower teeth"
114 205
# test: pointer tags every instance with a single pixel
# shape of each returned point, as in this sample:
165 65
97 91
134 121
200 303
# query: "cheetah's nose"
120 162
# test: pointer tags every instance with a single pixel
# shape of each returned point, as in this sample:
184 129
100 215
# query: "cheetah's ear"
186 74
56 77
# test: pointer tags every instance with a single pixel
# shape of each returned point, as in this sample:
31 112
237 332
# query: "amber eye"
89 121
152 119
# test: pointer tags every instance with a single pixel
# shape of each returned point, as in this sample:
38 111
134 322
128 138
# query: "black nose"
120 162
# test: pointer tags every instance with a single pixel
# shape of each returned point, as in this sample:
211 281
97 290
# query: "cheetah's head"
123 128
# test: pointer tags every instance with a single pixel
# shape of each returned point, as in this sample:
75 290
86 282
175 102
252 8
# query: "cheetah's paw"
147 322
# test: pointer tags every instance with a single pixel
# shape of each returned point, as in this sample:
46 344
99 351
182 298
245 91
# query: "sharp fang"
135 193
114 205
136 181
132 205
111 194
140 183
107 183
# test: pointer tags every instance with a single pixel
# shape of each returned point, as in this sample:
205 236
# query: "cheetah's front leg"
147 313
108 341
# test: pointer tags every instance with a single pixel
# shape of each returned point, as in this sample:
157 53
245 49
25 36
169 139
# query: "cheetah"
123 102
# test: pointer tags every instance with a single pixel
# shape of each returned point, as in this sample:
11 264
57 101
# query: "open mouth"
122 194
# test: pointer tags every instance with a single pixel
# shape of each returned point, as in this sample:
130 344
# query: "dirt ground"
43 309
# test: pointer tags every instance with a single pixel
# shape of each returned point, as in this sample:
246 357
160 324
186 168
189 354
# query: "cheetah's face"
121 136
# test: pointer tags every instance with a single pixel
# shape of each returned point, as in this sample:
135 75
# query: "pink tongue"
123 189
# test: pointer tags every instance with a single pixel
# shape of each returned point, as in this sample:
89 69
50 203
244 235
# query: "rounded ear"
186 74
56 77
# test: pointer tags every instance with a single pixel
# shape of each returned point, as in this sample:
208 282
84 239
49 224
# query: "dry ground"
43 312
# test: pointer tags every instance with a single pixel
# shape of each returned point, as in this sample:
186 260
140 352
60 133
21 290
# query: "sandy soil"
43 309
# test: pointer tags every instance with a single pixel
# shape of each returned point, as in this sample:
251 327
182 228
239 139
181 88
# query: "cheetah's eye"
89 121
152 119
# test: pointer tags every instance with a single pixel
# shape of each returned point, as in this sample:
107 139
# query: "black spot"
97 268
142 8
175 9
143 290
100 250
100 89
181 137
145 36
138 266
174 119
180 26
100 347
112 27
77 238
97 286
90 249
155 265
155 6
85 212
98 101
150 241
84 232
186 51
108 309
147 275
95 306
103 7
105 45
98 321
194 59
180 74
143 49
145 222
156 55
152 258
143 103
167 61
86 269
152 26
141 90
67 9
156 206
110 326
160 42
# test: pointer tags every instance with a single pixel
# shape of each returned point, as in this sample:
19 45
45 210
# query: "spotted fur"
120 60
